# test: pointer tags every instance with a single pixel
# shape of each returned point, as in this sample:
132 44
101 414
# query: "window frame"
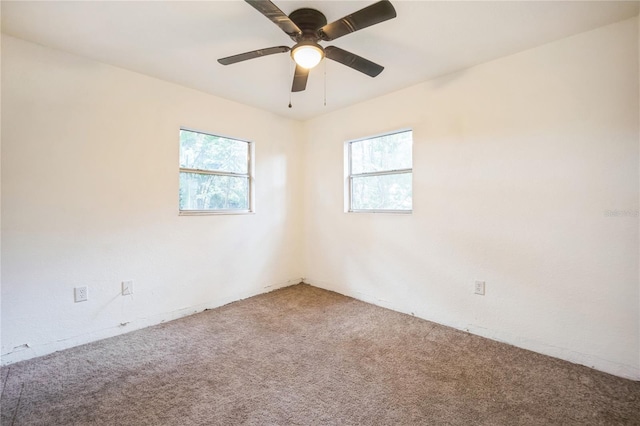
249 175
350 175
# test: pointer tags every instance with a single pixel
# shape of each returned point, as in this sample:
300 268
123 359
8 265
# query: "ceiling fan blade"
253 54
370 15
352 60
300 79
275 15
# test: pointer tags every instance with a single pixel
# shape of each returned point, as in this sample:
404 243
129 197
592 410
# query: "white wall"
89 197
516 163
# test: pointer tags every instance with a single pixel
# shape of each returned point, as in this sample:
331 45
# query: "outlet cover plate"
127 287
81 294
479 288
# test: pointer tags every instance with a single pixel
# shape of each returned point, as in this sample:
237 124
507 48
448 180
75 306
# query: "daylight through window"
215 174
380 173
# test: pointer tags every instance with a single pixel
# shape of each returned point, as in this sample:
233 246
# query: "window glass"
214 173
208 152
213 192
389 152
380 173
385 192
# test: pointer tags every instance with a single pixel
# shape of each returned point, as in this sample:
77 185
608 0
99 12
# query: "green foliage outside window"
381 173
214 172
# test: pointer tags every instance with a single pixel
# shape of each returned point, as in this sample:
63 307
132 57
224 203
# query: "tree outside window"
380 173
215 173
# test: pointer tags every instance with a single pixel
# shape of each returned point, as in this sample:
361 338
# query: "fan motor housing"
309 21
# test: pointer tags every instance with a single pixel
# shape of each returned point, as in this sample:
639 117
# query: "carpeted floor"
306 356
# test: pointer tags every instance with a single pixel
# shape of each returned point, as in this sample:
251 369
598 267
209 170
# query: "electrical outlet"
479 288
127 287
81 294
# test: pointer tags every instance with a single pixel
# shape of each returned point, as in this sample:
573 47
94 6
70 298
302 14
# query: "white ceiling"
180 42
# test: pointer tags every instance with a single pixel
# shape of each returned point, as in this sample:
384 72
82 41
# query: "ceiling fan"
307 27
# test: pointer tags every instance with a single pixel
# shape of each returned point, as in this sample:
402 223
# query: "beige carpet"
306 356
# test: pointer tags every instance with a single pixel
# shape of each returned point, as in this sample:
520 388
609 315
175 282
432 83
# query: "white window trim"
250 175
349 176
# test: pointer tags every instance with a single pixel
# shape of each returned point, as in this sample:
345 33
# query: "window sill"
382 211
213 212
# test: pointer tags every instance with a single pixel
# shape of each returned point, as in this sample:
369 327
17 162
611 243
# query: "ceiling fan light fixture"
307 54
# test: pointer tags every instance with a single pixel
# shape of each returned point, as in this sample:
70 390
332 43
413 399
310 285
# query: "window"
215 174
380 173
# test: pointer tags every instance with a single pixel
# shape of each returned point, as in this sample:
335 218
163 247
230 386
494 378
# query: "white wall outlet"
127 287
81 294
479 288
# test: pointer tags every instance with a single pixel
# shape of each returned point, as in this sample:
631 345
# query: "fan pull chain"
290 78
325 82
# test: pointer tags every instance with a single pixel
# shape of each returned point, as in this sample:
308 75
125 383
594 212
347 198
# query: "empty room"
372 212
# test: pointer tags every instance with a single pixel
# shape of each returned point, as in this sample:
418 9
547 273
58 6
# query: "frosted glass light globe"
307 55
